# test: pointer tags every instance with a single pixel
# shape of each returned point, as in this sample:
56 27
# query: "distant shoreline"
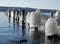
27 9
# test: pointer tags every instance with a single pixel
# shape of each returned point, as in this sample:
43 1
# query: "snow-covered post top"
28 17
51 27
57 13
57 17
31 19
35 18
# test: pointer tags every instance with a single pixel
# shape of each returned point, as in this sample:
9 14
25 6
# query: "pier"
13 27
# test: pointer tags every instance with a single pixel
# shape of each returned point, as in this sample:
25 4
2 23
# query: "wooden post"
23 23
14 18
9 15
23 16
17 19
51 14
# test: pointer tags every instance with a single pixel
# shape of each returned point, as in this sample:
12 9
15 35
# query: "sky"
40 4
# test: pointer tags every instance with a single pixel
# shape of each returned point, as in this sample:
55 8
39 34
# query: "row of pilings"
17 18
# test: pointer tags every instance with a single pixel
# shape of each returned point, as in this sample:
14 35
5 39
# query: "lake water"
10 34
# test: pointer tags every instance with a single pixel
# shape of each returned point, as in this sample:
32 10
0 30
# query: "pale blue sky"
42 4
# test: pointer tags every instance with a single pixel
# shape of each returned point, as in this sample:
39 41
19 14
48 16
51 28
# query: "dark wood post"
23 23
23 15
9 15
51 14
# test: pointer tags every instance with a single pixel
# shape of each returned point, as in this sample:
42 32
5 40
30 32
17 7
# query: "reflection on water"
36 37
9 32
51 41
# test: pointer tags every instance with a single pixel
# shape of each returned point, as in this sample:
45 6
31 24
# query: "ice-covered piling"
21 18
57 17
51 30
35 19
28 20
51 15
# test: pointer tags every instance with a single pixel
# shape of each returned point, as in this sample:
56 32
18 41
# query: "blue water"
8 33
